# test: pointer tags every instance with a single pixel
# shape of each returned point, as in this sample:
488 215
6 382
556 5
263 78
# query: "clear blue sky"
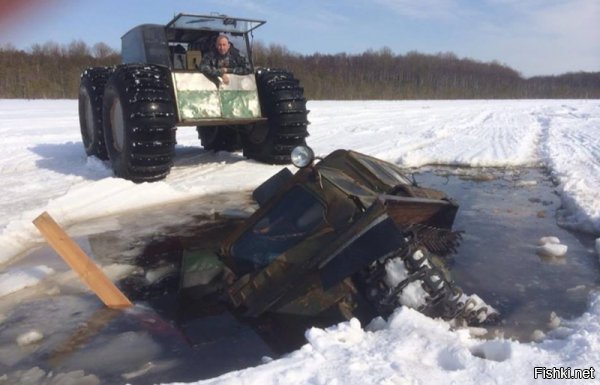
535 37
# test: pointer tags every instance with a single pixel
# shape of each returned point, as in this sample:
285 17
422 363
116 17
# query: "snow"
548 239
552 250
413 295
44 168
14 279
29 337
550 247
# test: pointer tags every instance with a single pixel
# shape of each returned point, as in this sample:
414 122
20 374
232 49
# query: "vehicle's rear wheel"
283 104
139 122
91 92
219 138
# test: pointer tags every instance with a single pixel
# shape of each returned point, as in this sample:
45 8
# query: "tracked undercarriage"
411 278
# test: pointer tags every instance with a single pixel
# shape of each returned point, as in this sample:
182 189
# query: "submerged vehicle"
350 234
128 114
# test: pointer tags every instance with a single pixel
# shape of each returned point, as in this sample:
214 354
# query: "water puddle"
171 336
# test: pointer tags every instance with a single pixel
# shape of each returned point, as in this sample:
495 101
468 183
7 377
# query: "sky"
42 144
534 37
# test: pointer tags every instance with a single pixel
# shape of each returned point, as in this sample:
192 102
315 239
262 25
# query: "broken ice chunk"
545 240
551 248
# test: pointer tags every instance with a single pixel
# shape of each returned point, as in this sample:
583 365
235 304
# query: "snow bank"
413 349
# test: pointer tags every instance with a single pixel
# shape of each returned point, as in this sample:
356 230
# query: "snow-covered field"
44 168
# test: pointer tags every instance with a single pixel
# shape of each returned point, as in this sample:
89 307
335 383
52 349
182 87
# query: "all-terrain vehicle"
350 233
129 113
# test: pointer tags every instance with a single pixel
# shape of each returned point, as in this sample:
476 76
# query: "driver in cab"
223 60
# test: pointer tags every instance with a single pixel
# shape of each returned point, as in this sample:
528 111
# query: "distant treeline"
52 71
49 71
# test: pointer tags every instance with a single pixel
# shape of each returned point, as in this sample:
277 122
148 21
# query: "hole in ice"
497 261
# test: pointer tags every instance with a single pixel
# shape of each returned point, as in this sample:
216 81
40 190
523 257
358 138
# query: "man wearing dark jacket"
224 60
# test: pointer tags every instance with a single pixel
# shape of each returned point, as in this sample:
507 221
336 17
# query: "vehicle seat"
178 54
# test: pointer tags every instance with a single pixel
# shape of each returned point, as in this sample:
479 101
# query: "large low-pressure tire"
219 138
91 92
139 117
283 104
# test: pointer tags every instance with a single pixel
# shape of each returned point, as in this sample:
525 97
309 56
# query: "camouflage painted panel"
240 104
239 98
194 105
199 98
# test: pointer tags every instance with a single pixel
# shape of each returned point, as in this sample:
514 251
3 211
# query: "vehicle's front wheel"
283 104
91 92
139 122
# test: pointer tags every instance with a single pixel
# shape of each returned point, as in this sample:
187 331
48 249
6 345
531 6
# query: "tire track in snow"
487 138
573 157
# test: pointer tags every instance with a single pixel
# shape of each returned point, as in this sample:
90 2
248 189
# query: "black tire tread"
94 79
149 114
283 104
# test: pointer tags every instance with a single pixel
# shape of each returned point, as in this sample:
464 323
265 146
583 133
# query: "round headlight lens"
302 156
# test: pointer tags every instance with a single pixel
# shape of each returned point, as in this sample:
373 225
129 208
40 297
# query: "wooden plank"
76 258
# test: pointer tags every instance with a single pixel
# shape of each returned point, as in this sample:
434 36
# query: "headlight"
302 156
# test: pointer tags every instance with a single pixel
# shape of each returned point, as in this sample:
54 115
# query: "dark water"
168 336
171 336
504 213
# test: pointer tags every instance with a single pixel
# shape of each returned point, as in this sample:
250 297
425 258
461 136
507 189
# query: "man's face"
222 46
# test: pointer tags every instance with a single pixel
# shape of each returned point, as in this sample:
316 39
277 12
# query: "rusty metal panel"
313 299
419 192
408 210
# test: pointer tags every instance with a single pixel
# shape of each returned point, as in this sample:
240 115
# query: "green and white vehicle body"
200 101
129 113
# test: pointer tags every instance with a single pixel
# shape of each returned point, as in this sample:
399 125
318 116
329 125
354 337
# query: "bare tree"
102 51
78 48
50 70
